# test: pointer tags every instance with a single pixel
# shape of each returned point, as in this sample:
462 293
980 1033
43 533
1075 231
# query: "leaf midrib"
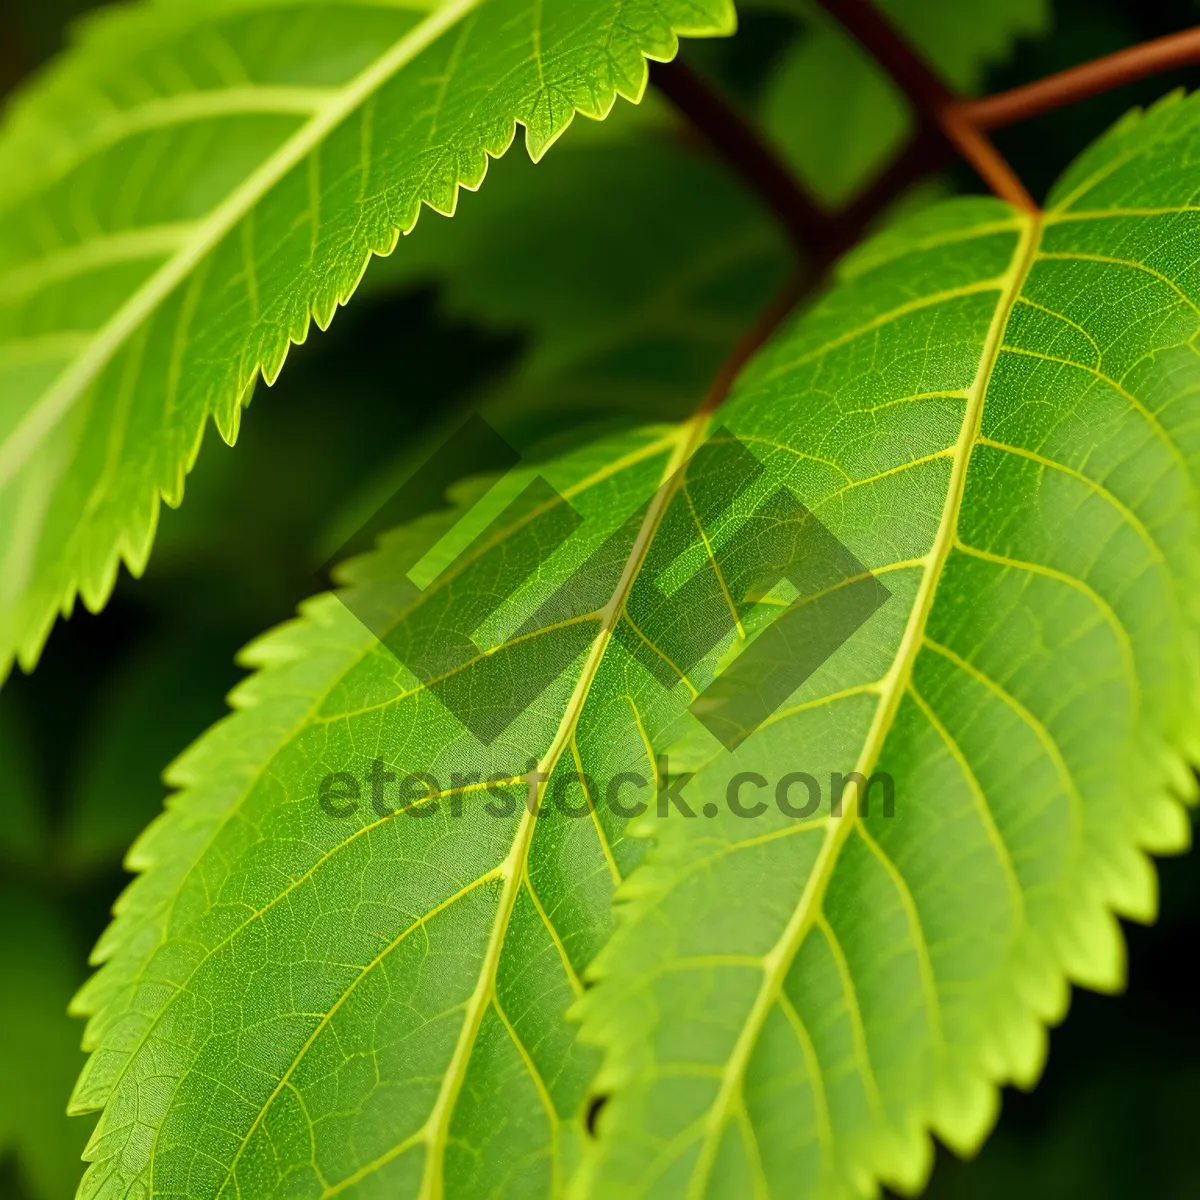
318 700
34 426
515 864
513 870
165 112
778 960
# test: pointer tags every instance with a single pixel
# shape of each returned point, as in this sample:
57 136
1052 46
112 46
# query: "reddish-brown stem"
948 124
1078 83
975 146
936 105
739 144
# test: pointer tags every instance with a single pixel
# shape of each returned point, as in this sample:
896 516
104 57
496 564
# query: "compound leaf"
998 413
325 982
194 183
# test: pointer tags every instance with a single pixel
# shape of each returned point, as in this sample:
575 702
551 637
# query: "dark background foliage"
118 695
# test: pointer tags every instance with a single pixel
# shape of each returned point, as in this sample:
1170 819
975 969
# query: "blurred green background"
602 286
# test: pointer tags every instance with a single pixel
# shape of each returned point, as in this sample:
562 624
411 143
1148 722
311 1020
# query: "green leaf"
377 1003
39 1046
194 183
380 999
834 148
837 147
997 414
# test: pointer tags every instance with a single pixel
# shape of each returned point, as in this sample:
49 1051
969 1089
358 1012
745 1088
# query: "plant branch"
935 104
989 164
948 124
925 153
1078 83
741 146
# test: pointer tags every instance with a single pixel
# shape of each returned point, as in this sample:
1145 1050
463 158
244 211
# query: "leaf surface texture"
181 195
992 413
998 414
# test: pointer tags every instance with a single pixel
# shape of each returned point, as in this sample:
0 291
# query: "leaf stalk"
1080 83
949 125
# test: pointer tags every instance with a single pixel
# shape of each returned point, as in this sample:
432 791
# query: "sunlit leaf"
194 184
396 984
997 413
993 413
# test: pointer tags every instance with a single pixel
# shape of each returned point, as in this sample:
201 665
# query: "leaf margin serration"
92 576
